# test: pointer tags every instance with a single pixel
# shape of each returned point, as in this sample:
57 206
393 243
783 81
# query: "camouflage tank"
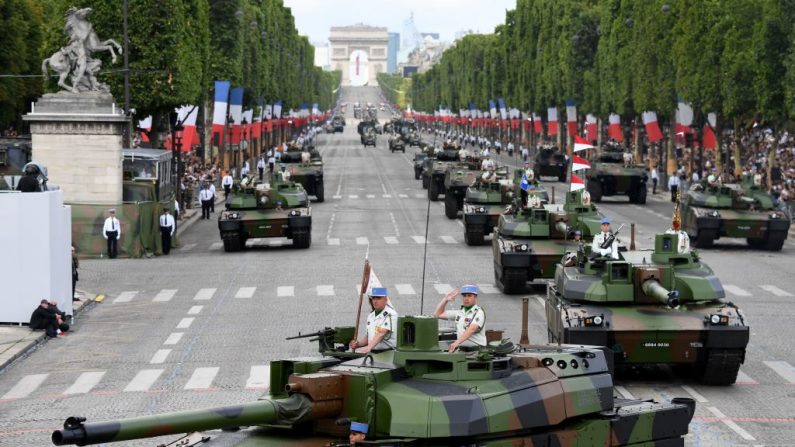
551 163
611 175
458 178
397 144
338 124
306 167
529 241
419 395
735 211
262 210
414 139
661 306
434 170
419 162
369 138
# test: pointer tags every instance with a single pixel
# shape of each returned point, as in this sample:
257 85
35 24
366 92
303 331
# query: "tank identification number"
656 344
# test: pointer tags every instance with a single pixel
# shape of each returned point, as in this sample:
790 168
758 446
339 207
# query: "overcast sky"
314 17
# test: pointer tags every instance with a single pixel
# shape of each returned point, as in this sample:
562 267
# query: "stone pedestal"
78 137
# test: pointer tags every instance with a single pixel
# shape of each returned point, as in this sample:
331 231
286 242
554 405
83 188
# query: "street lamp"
243 145
228 140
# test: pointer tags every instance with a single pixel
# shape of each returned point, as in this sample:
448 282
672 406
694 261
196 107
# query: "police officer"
167 227
227 183
601 238
673 185
470 319
206 197
261 167
381 324
111 231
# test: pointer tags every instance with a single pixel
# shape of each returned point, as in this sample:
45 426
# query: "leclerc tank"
661 306
458 178
261 210
305 165
420 395
712 210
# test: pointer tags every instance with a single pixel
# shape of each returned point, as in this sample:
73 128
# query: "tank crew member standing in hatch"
381 324
470 319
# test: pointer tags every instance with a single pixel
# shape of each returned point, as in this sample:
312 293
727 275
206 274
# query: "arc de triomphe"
359 52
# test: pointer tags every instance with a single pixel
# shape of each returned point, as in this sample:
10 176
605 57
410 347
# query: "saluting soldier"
381 324
470 319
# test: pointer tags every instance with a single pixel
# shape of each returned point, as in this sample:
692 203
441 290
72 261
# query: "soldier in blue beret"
470 319
358 432
381 324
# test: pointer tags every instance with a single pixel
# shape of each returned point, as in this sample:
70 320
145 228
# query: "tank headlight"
718 320
234 216
481 210
521 247
714 214
263 200
593 321
295 213
774 215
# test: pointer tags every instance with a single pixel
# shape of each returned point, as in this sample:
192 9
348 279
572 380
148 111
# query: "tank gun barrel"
654 289
561 227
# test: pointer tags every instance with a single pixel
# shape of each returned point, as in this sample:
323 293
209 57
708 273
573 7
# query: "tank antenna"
425 254
525 338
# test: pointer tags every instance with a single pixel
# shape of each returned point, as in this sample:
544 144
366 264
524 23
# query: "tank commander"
381 324
29 181
470 319
602 244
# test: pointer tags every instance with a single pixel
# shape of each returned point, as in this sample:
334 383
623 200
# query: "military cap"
360 427
577 233
378 291
112 210
469 288
605 221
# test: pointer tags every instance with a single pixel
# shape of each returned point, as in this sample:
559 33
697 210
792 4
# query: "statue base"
78 137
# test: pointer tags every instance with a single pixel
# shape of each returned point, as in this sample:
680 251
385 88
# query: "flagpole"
362 291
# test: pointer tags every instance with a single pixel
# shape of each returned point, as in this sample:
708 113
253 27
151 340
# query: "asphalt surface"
198 328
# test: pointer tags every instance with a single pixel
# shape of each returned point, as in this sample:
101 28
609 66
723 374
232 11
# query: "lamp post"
243 145
228 141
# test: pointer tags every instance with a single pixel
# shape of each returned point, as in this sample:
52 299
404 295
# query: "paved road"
198 328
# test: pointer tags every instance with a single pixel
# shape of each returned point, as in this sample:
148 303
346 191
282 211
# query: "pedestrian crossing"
336 241
257 377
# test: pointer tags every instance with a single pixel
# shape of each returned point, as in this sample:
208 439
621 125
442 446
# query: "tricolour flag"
580 144
591 128
524 184
552 121
492 109
652 128
236 111
190 137
145 125
277 109
503 110
579 163
256 129
219 111
576 183
614 128
571 117
708 139
538 126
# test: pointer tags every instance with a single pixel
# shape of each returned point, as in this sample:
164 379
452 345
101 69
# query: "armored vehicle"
530 240
733 210
614 173
434 170
661 306
369 138
396 144
306 167
551 163
420 395
338 124
414 139
263 210
405 127
419 162
458 178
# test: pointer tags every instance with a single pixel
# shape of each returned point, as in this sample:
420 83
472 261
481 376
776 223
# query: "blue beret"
360 427
378 291
469 288
605 220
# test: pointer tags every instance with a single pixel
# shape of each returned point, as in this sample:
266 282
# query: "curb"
187 223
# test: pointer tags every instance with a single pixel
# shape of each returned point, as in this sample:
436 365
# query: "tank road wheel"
302 238
320 192
233 244
417 174
450 206
426 181
474 234
705 239
595 189
640 195
721 367
514 280
433 191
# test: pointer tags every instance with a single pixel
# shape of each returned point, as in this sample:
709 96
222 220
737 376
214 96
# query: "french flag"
684 118
614 128
708 138
277 109
145 124
576 183
219 111
256 130
248 117
579 163
236 111
580 144
652 128
552 121
492 109
538 126
503 110
591 128
571 117
190 137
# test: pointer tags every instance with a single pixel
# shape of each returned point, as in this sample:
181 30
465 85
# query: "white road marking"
259 377
783 369
325 290
245 292
165 295
216 245
126 297
202 378
745 379
448 239
194 310
775 290
204 294
443 289
362 241
353 196
174 338
419 239
333 241
85 382
187 247
285 291
336 197
370 196
731 424
487 288
405 289
143 380
185 323
160 356
734 290
25 386
403 196
624 392
420 196
695 394
386 196
392 240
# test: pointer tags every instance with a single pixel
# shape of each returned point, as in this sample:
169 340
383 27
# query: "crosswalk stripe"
405 289
165 295
25 386
419 239
160 356
285 291
143 380
216 245
337 197
185 323
734 290
745 379
487 288
386 196
391 240
731 424
259 377
362 241
333 241
370 196
126 297
202 378
245 292
187 247
85 382
325 290
174 338
204 294
775 290
353 196
695 394
419 196
195 310
448 239
403 196
783 369
443 289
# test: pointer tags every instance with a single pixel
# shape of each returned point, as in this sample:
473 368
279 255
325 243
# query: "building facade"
359 52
